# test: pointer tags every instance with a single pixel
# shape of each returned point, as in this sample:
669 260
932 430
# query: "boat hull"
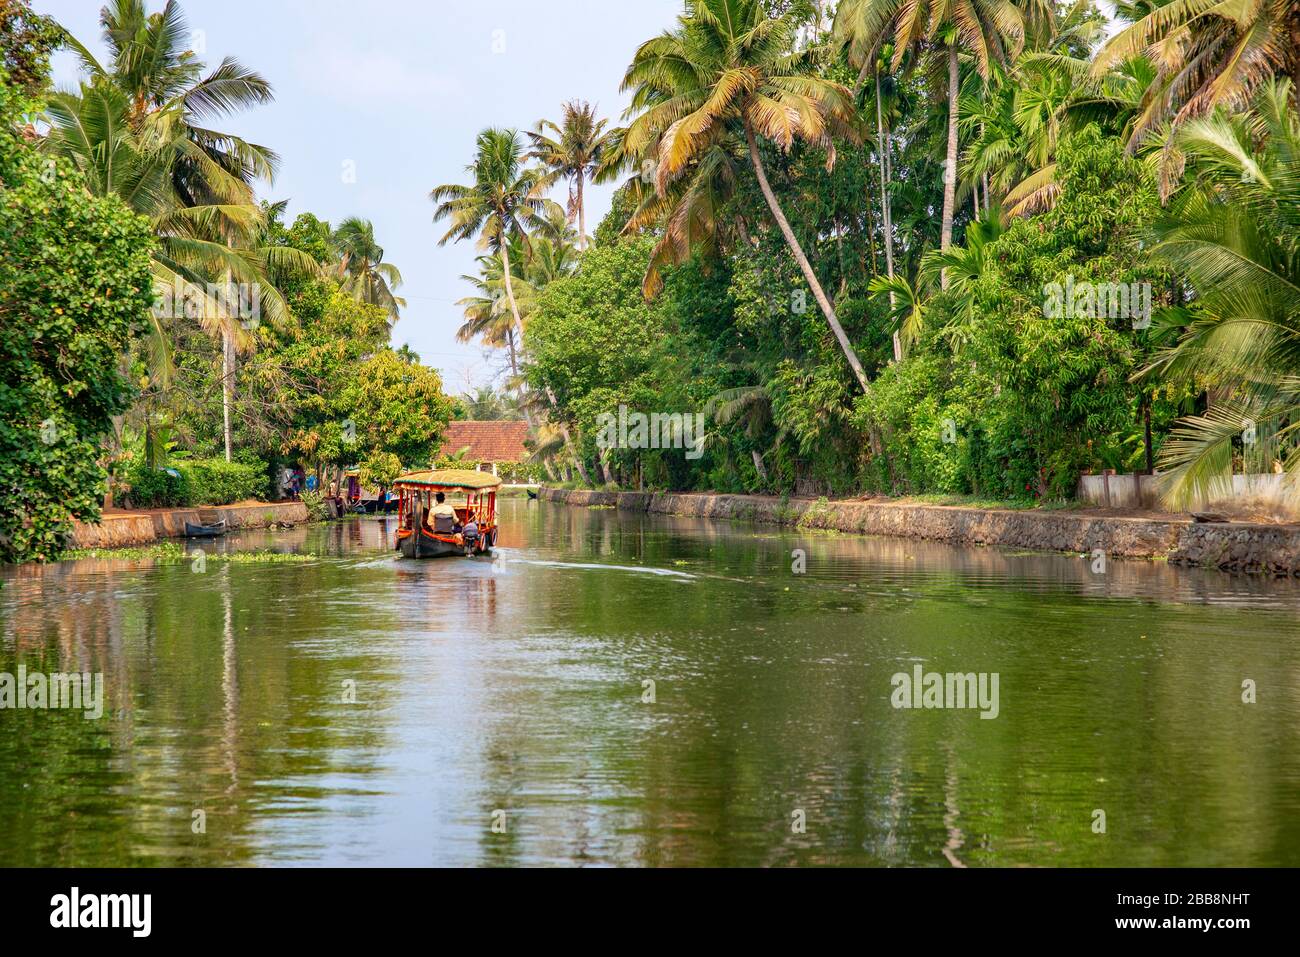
205 531
423 545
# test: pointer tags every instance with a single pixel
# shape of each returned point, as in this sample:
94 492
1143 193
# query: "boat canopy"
466 479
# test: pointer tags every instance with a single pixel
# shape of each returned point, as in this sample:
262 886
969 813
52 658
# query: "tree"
26 42
1206 54
502 202
398 411
991 31
361 265
134 130
575 151
1232 231
163 82
727 68
66 317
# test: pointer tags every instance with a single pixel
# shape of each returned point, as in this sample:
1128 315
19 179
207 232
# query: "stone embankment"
1231 546
144 527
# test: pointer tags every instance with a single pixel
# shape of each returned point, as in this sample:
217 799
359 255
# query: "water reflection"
358 708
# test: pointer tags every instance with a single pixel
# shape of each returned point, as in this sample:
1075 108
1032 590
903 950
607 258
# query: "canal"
649 690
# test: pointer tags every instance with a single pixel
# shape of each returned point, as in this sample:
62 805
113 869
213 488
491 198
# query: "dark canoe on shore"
205 531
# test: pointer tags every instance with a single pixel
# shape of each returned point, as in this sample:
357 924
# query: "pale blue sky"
400 88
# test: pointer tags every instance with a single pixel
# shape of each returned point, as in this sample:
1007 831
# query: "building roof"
498 442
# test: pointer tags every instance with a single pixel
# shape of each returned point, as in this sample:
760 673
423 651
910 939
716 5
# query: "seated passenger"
442 516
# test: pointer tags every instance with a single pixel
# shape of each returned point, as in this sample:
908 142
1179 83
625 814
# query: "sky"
378 102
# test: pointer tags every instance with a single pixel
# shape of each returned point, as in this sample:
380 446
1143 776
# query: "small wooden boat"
215 530
473 529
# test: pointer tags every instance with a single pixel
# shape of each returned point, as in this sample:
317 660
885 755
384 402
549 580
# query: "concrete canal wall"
144 527
1231 546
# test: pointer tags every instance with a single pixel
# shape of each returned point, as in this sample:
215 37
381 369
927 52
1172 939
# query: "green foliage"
218 482
74 285
157 488
315 502
26 41
197 482
398 412
1031 396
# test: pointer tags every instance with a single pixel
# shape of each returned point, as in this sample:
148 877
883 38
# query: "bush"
218 482
153 488
199 482
315 502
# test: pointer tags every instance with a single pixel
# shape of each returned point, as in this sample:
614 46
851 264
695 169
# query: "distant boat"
470 531
215 530
531 494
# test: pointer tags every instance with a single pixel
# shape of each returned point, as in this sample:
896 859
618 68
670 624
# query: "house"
491 444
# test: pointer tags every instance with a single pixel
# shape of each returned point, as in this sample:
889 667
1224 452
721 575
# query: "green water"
520 688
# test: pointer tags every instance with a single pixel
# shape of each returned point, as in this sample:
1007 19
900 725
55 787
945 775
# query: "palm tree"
873 61
487 315
137 130
150 63
1232 231
750 408
575 151
1206 54
729 69
201 250
693 213
990 31
362 269
502 203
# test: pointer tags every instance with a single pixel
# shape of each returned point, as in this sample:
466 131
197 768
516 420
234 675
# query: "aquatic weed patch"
171 553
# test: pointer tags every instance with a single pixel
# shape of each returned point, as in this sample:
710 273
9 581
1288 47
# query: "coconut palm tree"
362 268
728 69
202 251
873 60
573 149
151 63
1206 55
988 31
1232 231
487 314
503 202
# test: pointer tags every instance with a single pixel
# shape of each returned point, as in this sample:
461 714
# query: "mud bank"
141 528
1230 546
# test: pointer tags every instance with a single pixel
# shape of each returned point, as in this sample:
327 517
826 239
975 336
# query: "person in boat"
444 512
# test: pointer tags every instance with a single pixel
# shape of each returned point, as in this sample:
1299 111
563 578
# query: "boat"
473 496
215 530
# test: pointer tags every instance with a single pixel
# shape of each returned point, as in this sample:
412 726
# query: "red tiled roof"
499 442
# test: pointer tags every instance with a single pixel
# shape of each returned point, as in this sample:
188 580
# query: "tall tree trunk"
804 265
514 361
950 166
582 215
519 324
885 213
226 373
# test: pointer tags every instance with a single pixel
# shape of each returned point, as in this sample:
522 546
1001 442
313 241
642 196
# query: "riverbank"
1229 546
145 526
